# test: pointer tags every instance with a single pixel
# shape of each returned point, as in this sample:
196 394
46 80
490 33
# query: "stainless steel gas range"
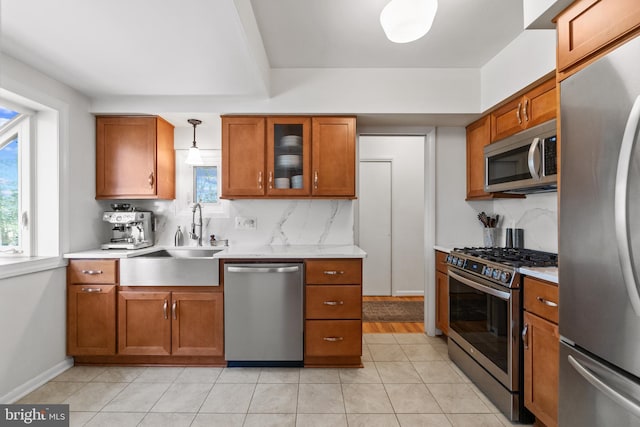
485 320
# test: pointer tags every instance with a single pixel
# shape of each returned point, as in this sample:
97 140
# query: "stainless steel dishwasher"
263 314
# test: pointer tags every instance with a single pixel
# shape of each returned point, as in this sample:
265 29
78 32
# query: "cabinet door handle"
92 272
164 309
547 302
333 272
333 339
526 107
174 307
92 290
260 180
151 180
270 180
315 180
333 303
525 336
518 113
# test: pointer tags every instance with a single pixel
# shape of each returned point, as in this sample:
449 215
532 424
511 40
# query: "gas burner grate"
513 256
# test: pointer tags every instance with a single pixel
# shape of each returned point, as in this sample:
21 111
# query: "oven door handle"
482 288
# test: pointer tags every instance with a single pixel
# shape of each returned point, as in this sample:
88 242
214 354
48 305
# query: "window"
205 184
14 182
200 184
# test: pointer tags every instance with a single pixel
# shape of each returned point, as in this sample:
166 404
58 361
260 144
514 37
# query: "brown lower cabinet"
91 307
91 319
442 293
541 350
333 312
162 323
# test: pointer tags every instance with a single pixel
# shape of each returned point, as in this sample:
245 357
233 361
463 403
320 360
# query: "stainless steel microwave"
523 163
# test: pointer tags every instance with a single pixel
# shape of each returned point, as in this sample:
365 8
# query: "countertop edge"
550 274
239 252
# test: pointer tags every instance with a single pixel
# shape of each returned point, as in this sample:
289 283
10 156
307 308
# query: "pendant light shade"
404 21
194 158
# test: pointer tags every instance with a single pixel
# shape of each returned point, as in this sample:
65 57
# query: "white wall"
32 306
456 219
526 59
407 211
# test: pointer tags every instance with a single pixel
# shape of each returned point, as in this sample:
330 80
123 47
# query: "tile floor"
407 380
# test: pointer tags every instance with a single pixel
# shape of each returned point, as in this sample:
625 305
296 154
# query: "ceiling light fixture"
404 21
194 158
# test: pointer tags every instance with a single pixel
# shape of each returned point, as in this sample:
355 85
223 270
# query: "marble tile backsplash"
537 214
278 222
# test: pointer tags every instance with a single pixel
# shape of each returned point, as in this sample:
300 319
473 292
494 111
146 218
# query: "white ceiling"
226 47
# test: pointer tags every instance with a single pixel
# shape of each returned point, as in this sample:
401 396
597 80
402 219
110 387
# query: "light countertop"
549 274
238 252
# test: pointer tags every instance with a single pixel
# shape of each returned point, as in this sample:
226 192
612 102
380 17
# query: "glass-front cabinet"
288 156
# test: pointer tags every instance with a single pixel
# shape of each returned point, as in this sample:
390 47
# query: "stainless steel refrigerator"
599 246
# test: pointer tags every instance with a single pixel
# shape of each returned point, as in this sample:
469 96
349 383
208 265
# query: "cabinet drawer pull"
333 272
526 107
270 180
525 336
260 180
174 307
315 180
333 303
164 309
547 302
151 180
92 272
91 290
333 339
518 113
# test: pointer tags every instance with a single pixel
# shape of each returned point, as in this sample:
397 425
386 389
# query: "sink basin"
171 267
181 253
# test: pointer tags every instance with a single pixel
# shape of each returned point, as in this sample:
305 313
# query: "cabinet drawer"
334 272
441 262
333 338
334 302
93 271
541 298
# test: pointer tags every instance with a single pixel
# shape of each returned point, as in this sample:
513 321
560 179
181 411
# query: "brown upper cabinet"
590 28
534 107
243 156
135 158
288 157
527 108
478 135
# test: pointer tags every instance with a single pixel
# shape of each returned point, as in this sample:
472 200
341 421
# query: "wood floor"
392 327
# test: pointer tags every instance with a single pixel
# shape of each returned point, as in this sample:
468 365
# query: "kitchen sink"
171 267
181 253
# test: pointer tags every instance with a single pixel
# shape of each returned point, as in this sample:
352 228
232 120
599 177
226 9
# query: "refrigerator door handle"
620 206
615 395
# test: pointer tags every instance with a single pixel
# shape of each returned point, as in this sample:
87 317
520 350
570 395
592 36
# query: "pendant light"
194 158
404 21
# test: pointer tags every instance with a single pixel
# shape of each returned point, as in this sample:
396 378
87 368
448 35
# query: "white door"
375 225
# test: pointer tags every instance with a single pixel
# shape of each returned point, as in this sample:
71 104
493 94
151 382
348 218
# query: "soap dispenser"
178 239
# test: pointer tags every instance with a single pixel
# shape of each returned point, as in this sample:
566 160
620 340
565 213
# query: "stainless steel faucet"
192 233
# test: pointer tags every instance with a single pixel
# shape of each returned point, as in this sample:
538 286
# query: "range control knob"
505 277
496 274
449 257
460 262
454 260
488 271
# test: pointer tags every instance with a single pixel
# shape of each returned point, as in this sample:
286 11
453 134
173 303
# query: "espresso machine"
130 229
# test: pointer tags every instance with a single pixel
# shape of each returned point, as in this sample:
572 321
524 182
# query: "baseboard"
408 293
26 388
